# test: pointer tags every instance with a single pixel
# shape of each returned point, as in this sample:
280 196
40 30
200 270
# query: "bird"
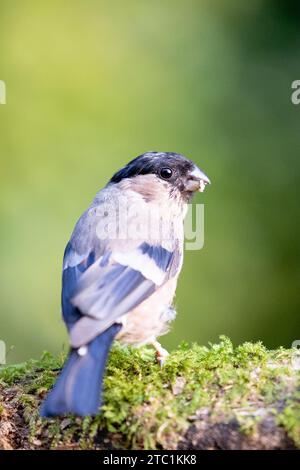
120 271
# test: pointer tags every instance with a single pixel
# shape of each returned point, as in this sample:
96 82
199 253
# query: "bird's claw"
161 359
161 353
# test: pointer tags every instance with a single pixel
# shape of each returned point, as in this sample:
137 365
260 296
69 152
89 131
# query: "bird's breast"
151 318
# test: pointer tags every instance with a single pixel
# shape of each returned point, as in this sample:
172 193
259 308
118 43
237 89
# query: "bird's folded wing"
115 284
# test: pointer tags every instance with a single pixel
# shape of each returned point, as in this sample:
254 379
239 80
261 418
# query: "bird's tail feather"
78 388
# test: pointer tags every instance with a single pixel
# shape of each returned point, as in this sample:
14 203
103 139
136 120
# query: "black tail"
78 388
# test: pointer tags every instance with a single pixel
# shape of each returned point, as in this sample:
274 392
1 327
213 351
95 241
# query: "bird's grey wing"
73 268
115 284
83 249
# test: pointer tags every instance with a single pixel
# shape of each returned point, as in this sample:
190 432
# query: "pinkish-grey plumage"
121 268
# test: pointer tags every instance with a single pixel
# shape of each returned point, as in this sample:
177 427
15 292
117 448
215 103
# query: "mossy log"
216 397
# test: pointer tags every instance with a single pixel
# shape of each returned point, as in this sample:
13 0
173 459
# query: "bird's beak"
197 180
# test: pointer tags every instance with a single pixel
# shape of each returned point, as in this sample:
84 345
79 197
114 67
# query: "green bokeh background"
92 84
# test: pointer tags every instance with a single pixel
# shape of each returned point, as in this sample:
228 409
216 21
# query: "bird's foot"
161 353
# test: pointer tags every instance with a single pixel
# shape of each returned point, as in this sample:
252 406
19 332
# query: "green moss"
13 373
149 407
290 417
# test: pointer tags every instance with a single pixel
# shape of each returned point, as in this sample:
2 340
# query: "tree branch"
204 398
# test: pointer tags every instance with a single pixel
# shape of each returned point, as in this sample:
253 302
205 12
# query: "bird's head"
178 174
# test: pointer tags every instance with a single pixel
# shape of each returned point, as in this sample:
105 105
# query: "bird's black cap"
152 163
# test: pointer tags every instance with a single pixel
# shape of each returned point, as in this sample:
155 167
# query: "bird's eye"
166 173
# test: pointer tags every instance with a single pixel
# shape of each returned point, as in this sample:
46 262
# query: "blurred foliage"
91 84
